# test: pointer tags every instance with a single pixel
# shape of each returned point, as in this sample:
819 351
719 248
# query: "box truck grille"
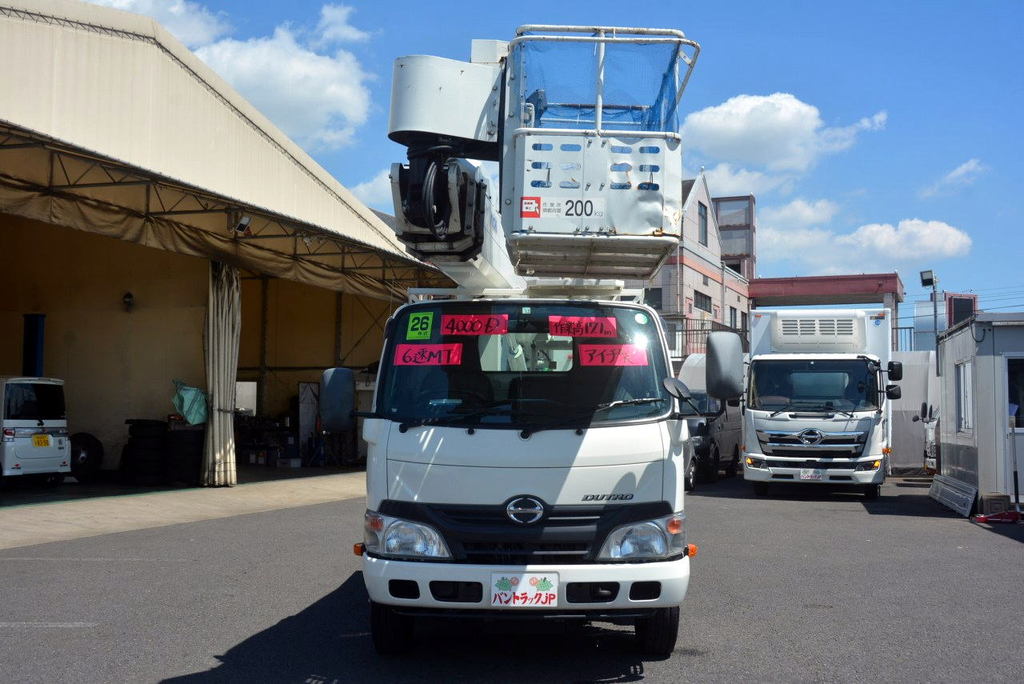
500 553
812 463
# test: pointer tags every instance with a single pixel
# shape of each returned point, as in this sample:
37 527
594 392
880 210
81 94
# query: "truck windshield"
842 385
527 364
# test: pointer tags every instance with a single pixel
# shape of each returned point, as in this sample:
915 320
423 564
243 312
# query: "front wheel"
392 633
713 464
761 488
690 477
733 466
872 491
656 633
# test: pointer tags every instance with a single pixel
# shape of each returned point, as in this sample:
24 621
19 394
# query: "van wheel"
690 477
656 633
392 633
761 488
713 464
872 491
51 480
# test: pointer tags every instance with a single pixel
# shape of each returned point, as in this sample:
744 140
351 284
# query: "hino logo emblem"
811 437
524 510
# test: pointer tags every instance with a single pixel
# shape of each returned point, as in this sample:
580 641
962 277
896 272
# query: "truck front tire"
656 633
872 491
392 633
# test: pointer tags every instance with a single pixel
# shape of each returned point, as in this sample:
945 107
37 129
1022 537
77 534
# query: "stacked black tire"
142 459
183 453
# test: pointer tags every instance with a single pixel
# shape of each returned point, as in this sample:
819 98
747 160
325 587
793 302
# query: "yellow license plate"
41 440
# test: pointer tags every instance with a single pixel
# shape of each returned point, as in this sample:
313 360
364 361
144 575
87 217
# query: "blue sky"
876 136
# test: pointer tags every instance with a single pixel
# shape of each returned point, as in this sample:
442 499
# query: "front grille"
484 535
542 553
807 454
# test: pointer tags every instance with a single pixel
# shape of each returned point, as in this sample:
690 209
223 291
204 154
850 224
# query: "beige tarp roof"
109 124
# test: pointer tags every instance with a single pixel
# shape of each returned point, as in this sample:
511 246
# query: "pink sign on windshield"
582 326
474 324
612 355
428 354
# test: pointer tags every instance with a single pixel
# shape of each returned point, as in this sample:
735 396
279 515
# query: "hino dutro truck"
817 406
525 447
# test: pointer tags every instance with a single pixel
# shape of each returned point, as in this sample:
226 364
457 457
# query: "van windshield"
523 364
34 401
844 385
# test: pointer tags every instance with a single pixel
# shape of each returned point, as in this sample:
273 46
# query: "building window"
652 297
732 316
702 215
705 280
964 397
1015 384
743 320
702 301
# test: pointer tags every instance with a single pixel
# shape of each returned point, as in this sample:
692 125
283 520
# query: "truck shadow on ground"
329 642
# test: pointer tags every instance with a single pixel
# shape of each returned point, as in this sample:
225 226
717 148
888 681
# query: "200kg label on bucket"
549 207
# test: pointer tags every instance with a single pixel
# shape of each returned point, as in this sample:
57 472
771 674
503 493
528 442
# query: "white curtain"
223 325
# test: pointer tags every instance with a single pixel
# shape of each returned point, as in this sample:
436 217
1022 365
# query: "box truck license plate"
812 474
41 440
525 590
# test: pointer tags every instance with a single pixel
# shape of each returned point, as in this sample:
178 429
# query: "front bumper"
673 577
804 471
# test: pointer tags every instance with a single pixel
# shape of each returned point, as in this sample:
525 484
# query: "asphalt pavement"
803 585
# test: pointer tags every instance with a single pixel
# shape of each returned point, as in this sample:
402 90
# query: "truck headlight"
868 465
756 462
397 538
646 540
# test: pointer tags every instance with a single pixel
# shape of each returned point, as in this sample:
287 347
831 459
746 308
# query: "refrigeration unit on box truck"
817 406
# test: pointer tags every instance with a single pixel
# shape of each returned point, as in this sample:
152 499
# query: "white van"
35 429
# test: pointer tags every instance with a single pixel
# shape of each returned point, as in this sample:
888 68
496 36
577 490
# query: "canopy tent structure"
108 124
111 126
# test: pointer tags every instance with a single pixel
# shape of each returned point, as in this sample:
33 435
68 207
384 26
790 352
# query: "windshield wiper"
627 402
579 421
784 408
456 417
829 409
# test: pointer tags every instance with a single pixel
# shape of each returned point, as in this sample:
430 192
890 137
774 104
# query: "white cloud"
960 177
189 22
725 180
376 192
334 26
869 248
799 213
778 132
319 100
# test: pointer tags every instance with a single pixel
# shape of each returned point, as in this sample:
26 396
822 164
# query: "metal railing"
903 338
690 335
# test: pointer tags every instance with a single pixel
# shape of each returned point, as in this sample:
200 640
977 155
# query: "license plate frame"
40 440
518 590
812 474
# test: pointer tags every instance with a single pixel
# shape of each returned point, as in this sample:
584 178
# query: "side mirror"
677 388
931 411
915 419
924 411
724 365
895 371
338 400
893 392
733 402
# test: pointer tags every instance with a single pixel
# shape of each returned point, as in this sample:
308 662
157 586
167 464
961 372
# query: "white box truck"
816 408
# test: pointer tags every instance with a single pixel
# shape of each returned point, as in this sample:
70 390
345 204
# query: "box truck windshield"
522 365
842 385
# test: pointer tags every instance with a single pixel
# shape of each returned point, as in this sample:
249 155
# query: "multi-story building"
695 290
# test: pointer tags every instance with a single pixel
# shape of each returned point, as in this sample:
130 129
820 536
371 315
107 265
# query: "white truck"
525 448
817 406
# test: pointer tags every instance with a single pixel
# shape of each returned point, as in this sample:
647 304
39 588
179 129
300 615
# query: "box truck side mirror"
677 388
893 392
724 365
895 371
338 400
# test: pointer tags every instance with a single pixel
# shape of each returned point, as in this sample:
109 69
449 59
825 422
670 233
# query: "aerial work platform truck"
525 447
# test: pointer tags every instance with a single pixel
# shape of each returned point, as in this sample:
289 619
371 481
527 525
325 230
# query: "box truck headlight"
869 465
647 540
396 538
756 462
